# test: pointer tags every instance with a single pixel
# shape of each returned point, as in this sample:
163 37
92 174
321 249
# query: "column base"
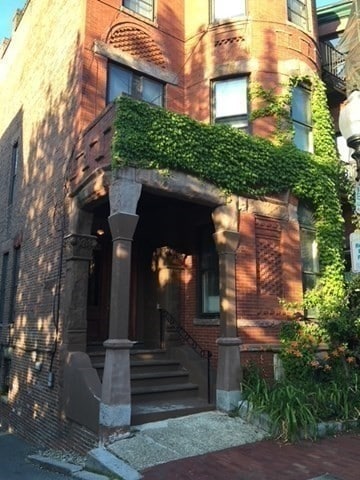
227 401
115 405
228 380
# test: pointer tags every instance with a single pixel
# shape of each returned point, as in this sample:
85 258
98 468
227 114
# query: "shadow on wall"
39 222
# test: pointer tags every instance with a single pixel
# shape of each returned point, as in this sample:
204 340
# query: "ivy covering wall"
154 138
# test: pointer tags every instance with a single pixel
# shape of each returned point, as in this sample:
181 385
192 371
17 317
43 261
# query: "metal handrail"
165 316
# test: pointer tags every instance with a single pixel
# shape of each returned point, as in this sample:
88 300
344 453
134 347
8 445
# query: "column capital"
227 241
124 192
123 225
79 246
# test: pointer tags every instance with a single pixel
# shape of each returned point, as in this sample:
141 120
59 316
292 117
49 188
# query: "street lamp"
349 124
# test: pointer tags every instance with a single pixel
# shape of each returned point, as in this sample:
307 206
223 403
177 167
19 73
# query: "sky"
7 11
8 8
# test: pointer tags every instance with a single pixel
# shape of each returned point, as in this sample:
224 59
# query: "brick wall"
39 100
268 268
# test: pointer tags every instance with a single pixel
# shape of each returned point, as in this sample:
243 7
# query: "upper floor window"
298 12
226 9
142 7
301 117
230 102
13 171
123 80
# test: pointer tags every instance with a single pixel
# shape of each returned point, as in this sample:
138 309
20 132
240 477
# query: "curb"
65 468
102 461
55 465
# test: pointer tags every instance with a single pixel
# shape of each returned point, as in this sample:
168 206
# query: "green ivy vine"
154 138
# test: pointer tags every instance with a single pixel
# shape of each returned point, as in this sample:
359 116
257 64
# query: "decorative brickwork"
269 267
268 258
131 39
229 41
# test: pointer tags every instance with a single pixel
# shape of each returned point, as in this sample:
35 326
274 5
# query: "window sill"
226 21
206 322
140 17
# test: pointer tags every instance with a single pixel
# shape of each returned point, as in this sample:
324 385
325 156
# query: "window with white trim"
141 7
298 13
123 80
301 118
230 102
227 9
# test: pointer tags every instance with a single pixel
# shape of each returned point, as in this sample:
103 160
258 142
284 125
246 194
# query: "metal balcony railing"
333 67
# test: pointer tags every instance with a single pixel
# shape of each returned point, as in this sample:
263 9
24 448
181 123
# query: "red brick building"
89 255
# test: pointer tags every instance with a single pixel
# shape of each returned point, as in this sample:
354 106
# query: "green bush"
295 408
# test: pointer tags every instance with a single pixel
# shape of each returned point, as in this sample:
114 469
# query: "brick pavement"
339 457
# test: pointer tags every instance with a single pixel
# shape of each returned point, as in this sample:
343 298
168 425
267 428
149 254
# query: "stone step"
159 378
145 412
164 392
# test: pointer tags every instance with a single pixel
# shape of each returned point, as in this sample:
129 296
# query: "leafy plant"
154 138
295 408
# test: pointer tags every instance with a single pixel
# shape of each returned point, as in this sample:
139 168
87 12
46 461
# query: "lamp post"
349 124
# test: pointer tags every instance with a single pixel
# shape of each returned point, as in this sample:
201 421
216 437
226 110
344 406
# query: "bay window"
301 118
226 9
230 102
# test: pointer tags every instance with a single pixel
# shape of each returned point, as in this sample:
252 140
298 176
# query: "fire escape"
333 68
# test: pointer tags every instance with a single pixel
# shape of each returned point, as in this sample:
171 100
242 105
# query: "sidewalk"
335 458
14 464
205 446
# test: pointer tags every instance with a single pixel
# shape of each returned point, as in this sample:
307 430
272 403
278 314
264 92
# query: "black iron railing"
333 66
166 317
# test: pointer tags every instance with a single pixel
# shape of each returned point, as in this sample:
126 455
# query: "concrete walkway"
168 440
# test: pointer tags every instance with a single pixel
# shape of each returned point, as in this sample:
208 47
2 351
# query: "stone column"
78 254
229 368
115 405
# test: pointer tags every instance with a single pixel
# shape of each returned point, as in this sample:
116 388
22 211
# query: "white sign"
355 251
357 197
